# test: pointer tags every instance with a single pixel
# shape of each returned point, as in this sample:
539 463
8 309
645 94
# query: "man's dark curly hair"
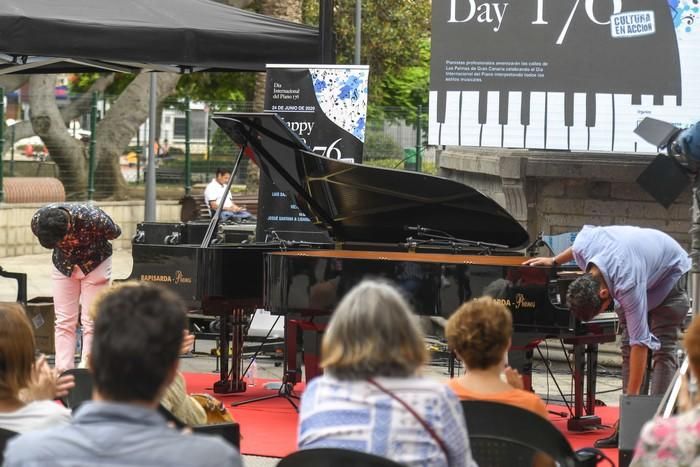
582 297
137 340
52 226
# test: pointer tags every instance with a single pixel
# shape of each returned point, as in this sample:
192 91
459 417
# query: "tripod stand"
286 391
289 377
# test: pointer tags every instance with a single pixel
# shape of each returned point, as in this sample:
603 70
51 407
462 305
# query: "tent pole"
695 246
2 144
12 152
188 157
150 207
91 148
325 26
358 30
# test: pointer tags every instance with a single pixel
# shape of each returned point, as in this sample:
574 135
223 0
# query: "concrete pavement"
38 270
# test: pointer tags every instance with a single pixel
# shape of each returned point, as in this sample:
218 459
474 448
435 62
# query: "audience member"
175 398
479 333
371 397
27 386
134 357
165 148
79 235
674 441
215 191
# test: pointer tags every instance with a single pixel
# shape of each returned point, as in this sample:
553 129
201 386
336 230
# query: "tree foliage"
209 87
395 43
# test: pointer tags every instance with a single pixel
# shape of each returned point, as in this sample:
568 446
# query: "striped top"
356 415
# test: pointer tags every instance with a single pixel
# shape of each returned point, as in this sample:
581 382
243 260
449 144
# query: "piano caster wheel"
229 387
585 423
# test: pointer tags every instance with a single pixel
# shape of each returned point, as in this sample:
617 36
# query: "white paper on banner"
613 63
342 95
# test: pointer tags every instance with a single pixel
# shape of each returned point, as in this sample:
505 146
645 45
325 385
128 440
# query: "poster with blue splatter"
576 75
326 105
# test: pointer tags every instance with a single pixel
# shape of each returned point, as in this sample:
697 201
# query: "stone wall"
556 192
16 237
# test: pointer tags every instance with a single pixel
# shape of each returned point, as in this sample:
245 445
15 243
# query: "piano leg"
520 356
221 386
290 342
591 365
585 361
311 334
312 353
233 382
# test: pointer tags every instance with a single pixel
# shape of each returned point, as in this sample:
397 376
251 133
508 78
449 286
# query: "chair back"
5 436
329 457
505 435
83 388
229 431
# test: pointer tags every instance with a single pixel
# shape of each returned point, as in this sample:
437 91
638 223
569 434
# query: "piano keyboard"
544 120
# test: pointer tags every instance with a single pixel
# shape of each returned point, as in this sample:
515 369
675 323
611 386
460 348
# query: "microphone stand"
439 237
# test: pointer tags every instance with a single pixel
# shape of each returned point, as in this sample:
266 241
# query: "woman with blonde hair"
27 384
371 397
479 333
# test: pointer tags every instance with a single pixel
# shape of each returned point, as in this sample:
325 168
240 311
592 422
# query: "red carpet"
585 439
269 428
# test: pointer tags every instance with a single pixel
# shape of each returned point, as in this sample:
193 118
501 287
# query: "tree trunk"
47 122
10 83
75 109
82 104
120 124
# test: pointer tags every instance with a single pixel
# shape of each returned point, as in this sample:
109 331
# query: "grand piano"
440 241
217 269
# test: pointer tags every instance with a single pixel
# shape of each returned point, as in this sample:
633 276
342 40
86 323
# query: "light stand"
682 147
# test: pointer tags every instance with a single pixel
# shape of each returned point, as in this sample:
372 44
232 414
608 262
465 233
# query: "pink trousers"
68 294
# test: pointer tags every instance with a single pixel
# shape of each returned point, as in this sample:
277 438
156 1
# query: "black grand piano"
440 241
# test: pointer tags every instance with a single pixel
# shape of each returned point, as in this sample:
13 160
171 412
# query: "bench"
168 175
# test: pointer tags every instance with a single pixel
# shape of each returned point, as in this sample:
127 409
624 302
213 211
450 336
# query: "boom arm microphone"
415 228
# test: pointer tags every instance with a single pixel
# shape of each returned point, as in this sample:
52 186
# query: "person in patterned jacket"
79 235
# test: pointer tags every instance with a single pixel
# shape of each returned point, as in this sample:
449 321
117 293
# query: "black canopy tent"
54 36
165 35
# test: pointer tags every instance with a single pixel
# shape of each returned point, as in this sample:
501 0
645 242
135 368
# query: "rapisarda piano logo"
519 302
178 278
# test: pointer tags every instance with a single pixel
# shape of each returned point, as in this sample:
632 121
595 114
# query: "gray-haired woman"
371 397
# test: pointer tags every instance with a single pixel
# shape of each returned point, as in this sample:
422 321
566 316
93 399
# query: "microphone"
415 228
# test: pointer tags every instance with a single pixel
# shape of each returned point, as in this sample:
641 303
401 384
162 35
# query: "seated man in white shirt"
215 190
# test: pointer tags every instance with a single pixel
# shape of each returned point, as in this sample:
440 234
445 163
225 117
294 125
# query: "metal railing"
193 147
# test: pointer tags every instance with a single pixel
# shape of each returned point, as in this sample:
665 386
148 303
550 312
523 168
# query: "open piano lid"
359 203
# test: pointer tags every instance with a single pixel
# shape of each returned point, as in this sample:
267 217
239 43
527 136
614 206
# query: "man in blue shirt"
643 271
133 359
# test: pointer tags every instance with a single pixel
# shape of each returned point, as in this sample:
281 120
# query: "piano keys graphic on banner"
561 74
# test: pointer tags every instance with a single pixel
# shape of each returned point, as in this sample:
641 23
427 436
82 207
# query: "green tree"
395 34
408 88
